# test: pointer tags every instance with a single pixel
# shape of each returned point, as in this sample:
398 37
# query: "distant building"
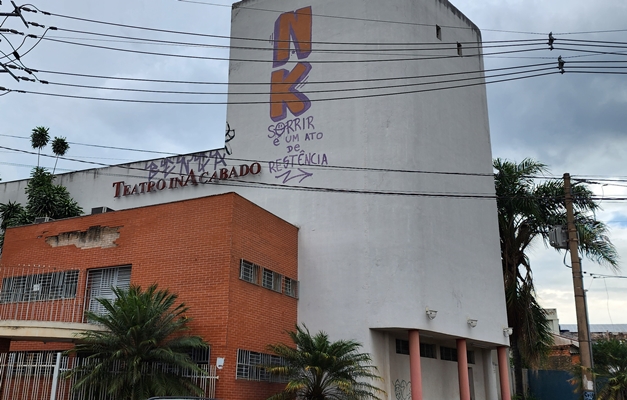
597 331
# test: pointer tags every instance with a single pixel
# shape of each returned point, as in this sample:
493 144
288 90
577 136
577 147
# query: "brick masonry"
193 248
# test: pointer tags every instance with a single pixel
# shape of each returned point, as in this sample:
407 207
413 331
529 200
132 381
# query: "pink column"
415 374
462 370
504 372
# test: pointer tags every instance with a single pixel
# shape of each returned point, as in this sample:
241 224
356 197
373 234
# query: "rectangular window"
438 32
271 280
251 366
290 287
459 49
448 353
427 350
39 287
402 346
249 272
100 284
200 356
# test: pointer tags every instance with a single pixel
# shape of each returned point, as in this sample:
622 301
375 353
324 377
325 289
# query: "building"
390 185
233 264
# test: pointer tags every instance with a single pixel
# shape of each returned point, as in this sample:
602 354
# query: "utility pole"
580 300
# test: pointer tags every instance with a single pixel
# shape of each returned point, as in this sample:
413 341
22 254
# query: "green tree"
45 199
39 138
144 344
318 369
60 146
610 368
527 211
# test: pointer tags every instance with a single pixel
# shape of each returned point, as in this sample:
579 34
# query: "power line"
404 85
98 146
271 102
364 19
474 45
321 167
197 57
391 78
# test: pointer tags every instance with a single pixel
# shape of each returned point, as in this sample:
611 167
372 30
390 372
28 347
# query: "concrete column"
489 376
504 372
415 372
462 370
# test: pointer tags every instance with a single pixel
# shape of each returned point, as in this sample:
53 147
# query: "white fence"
40 376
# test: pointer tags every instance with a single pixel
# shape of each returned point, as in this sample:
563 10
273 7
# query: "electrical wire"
290 187
318 167
231 59
404 85
474 45
275 102
365 19
392 78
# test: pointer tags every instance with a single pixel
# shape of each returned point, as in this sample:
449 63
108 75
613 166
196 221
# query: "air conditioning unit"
100 210
39 220
558 237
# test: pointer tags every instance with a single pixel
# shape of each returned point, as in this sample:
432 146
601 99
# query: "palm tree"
610 367
318 369
142 352
60 146
526 211
39 138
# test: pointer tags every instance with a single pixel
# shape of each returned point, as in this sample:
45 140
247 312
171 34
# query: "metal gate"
40 376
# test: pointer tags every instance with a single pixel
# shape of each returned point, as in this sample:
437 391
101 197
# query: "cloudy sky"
574 122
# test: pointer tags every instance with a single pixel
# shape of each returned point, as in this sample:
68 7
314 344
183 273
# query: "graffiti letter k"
283 92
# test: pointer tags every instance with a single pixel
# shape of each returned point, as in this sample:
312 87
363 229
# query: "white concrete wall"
376 261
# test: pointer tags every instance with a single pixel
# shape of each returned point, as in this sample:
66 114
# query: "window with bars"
427 350
450 354
100 284
39 287
249 272
251 366
271 280
290 287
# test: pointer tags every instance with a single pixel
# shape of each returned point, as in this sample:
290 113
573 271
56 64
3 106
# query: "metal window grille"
271 280
200 356
290 287
43 375
427 350
402 346
249 272
100 283
471 356
39 287
251 366
448 353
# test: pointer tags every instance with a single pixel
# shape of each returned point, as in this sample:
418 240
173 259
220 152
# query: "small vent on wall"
100 210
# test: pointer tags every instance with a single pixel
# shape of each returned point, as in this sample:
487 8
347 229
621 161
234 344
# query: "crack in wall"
94 237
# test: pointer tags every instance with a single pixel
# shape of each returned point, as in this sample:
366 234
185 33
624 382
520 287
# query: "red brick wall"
193 248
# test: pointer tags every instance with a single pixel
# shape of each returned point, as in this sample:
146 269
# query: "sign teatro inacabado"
191 179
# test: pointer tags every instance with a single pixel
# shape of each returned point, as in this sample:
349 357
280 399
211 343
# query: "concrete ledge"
44 331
